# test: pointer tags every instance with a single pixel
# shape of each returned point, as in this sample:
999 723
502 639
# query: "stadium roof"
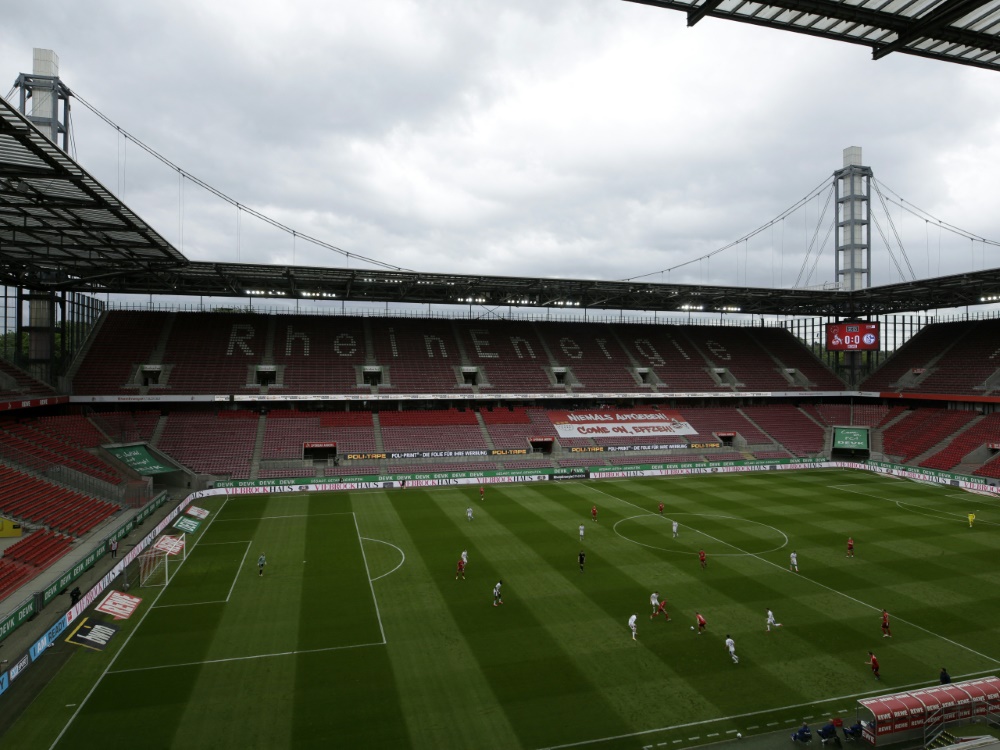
60 226
60 230
958 31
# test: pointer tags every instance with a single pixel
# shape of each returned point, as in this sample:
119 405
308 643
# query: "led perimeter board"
853 337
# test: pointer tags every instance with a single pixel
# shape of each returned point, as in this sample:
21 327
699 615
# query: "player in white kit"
731 645
632 625
770 620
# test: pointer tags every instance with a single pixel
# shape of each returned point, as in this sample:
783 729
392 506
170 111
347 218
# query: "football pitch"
359 634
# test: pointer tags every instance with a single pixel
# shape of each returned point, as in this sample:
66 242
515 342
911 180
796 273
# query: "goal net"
157 564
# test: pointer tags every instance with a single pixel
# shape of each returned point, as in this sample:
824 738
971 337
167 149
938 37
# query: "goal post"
157 564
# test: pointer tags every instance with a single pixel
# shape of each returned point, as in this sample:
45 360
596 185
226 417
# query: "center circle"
653 540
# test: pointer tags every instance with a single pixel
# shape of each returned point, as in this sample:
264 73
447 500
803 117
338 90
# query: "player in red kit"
661 509
886 632
701 622
482 493
593 513
701 558
873 663
460 570
663 608
850 546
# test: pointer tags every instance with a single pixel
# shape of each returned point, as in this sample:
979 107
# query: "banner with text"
620 422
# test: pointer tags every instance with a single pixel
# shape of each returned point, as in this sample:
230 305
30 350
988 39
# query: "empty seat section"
213 353
670 355
969 363
28 498
16 384
127 426
212 443
799 435
920 430
287 431
916 354
710 421
792 353
421 431
735 349
124 341
984 432
592 352
509 353
319 354
422 356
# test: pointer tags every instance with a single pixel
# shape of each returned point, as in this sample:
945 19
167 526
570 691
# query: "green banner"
850 438
12 623
138 458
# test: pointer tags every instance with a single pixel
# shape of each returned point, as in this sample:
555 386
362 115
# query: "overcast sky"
568 138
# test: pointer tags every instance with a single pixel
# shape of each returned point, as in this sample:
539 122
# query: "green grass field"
359 635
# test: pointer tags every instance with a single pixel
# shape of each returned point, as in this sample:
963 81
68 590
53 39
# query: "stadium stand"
15 383
970 364
904 370
216 352
789 353
674 361
799 434
286 431
509 353
39 549
126 426
921 430
123 341
28 498
13 575
711 420
411 431
983 432
212 443
421 356
27 439
750 366
592 354
319 354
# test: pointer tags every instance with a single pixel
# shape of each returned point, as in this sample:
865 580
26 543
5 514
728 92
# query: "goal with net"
157 564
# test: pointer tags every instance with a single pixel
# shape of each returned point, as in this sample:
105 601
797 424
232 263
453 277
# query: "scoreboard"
852 337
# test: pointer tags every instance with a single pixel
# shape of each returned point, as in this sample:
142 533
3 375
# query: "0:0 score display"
852 337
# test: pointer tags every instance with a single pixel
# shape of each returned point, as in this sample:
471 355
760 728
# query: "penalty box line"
245 658
817 583
235 577
135 630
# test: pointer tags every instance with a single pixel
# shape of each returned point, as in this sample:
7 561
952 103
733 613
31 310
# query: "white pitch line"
364 557
294 515
114 658
403 554
212 544
824 586
188 604
238 570
245 658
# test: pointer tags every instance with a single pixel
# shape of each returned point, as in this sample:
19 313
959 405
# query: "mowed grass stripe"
346 698
163 629
444 698
255 621
811 605
540 687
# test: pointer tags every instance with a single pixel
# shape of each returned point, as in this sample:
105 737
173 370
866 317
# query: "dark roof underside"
958 31
60 229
